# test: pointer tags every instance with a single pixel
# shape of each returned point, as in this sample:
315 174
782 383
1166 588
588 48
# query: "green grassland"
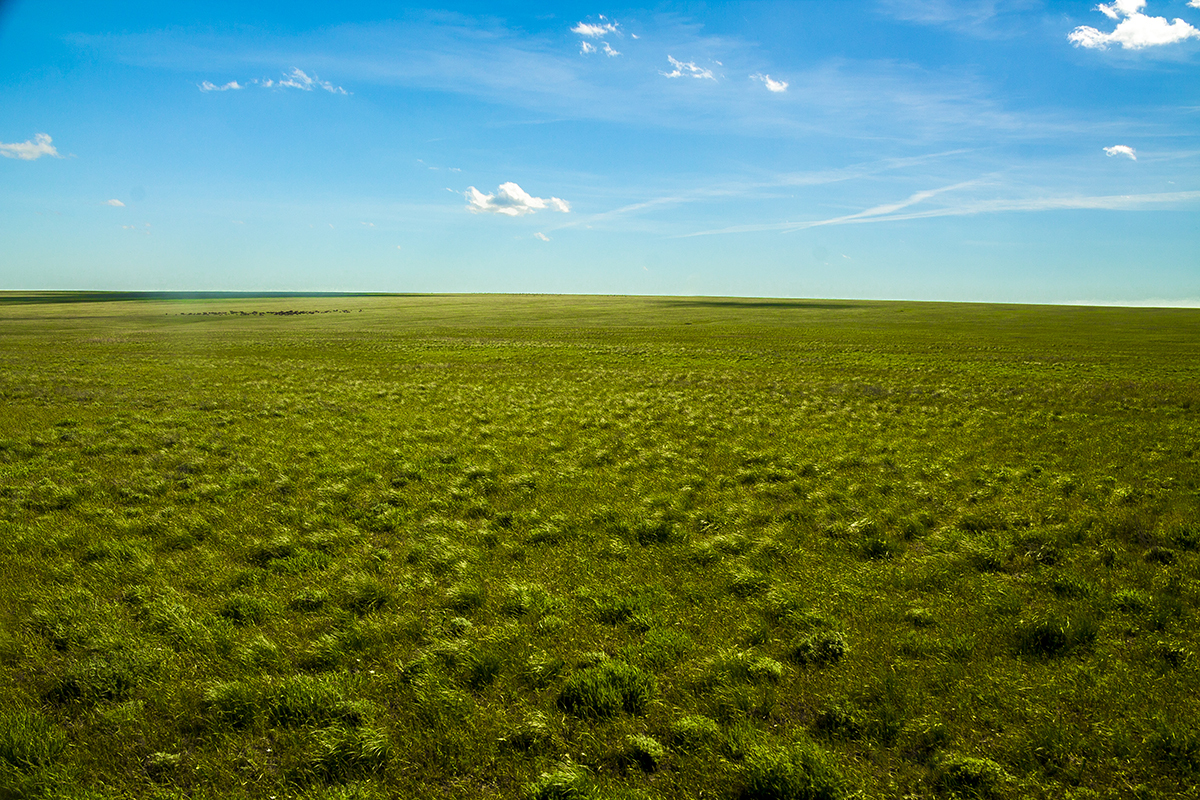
586 547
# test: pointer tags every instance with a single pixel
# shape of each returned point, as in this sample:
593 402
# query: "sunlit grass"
598 548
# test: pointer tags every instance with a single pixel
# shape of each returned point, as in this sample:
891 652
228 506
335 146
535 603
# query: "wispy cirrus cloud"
688 69
115 203
1135 30
770 187
984 19
511 200
295 79
30 150
896 212
1122 150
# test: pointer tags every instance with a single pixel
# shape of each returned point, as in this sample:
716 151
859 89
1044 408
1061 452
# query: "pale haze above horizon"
982 150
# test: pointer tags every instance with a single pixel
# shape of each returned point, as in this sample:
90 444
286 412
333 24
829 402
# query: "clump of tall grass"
29 741
232 704
606 689
363 593
566 782
797 771
695 731
819 649
533 734
1049 635
643 751
968 776
341 752
526 598
743 666
244 609
466 596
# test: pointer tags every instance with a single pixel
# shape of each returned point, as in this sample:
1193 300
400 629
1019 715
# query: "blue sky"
987 150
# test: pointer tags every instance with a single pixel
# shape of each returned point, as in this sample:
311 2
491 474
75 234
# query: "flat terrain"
596 547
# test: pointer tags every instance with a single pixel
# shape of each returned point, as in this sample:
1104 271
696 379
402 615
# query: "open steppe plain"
596 547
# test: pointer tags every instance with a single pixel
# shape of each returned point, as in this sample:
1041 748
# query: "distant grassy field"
561 548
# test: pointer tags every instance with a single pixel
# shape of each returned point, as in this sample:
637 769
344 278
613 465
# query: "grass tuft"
820 649
969 777
799 771
566 782
606 689
29 741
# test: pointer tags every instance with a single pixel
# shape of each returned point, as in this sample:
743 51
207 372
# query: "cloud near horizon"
30 150
1121 150
1135 31
511 201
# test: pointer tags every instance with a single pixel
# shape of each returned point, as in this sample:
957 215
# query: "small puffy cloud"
1135 30
1121 150
542 236
511 201
1194 3
586 47
115 203
30 150
595 30
209 86
608 51
772 85
687 68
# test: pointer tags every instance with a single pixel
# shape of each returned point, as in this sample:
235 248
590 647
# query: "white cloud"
586 47
1194 3
1121 150
1135 31
209 86
687 68
772 85
595 31
296 79
1121 8
30 150
115 203
608 51
511 201
542 236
